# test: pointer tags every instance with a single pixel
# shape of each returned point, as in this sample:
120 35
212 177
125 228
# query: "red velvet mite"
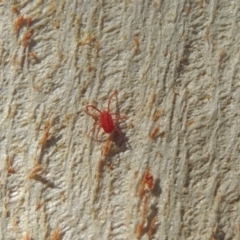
105 119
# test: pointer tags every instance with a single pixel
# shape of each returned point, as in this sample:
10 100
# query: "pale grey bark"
176 67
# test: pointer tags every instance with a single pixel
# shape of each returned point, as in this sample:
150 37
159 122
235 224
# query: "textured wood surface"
176 173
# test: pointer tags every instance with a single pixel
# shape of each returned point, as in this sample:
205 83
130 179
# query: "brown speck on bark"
18 23
56 235
154 133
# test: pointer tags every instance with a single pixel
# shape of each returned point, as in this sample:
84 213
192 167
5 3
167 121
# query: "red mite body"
105 119
107 122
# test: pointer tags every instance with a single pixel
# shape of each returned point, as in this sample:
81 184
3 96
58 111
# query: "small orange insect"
147 182
105 119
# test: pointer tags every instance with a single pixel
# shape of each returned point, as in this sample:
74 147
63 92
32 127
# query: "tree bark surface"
172 170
